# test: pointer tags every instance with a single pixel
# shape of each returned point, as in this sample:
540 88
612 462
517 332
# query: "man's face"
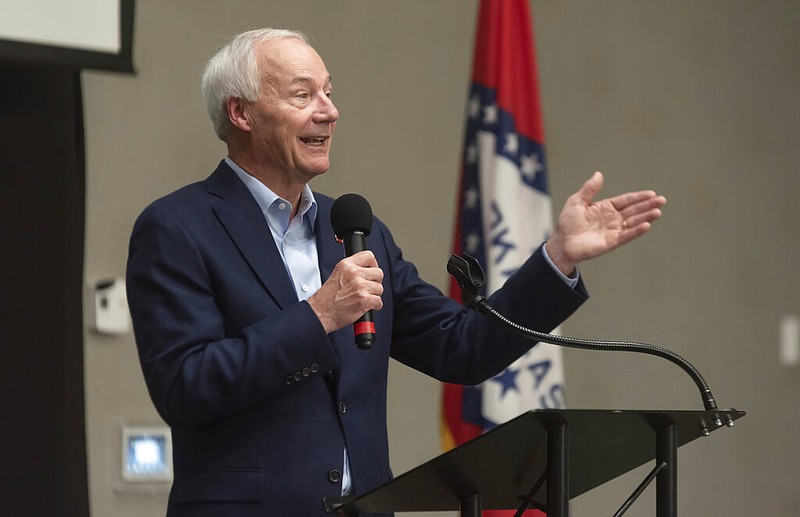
292 123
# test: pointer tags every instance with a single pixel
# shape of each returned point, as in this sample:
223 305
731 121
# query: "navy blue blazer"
261 401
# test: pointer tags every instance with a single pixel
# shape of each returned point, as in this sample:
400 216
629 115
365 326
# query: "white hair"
233 72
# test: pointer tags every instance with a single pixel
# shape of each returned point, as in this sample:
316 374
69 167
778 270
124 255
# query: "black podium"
543 459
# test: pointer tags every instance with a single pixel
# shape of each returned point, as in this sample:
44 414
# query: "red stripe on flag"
506 61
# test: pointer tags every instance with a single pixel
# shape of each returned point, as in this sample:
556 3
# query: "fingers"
362 259
644 207
359 276
591 187
633 232
354 287
637 219
638 201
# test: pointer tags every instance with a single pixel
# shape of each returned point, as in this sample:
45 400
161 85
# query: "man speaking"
243 302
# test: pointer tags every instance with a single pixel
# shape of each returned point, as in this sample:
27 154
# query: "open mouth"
313 140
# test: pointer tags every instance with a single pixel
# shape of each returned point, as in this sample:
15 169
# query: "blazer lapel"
242 218
329 252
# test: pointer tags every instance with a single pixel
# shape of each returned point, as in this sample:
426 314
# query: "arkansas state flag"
504 211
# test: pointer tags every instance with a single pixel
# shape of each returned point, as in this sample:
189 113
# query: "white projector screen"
77 33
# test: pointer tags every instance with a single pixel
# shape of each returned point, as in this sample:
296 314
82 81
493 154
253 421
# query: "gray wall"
698 100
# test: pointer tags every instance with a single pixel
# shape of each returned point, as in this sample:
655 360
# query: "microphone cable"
469 275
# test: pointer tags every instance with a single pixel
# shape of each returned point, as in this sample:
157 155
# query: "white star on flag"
471 199
531 165
473 240
474 107
490 114
512 143
472 154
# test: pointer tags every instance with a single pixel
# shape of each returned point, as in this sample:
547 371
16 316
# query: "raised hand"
587 229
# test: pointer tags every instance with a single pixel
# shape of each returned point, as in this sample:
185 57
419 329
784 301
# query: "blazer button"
314 367
342 407
306 372
298 376
334 476
289 379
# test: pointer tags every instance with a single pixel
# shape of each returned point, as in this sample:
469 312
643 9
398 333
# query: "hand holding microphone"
355 286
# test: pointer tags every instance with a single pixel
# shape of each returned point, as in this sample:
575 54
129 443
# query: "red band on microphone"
364 327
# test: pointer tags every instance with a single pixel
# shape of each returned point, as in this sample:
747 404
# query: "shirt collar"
266 198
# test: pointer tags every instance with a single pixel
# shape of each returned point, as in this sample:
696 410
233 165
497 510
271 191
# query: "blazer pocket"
227 486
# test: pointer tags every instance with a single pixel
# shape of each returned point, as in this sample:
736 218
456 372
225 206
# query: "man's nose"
326 111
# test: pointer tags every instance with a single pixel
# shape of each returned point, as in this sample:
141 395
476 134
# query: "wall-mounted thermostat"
146 454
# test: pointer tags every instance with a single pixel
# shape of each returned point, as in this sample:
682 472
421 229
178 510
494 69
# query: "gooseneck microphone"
351 218
470 277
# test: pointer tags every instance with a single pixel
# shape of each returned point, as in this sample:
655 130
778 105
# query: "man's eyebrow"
304 79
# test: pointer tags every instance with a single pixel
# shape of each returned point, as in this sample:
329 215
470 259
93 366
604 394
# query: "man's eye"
302 95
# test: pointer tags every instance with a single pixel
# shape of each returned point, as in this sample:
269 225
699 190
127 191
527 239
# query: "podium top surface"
504 464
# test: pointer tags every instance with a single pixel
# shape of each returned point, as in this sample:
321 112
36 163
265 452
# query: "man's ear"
237 113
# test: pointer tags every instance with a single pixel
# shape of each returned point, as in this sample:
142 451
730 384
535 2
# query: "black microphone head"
351 213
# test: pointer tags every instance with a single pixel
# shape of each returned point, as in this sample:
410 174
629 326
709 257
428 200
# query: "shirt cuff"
570 281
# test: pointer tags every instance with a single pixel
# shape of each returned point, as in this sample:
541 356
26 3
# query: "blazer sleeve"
442 338
197 366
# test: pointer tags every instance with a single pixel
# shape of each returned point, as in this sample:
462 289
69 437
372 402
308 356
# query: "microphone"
351 218
470 277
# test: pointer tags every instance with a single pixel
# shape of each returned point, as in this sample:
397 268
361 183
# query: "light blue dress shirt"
294 239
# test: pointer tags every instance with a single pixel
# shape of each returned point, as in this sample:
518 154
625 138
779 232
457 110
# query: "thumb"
591 187
364 258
